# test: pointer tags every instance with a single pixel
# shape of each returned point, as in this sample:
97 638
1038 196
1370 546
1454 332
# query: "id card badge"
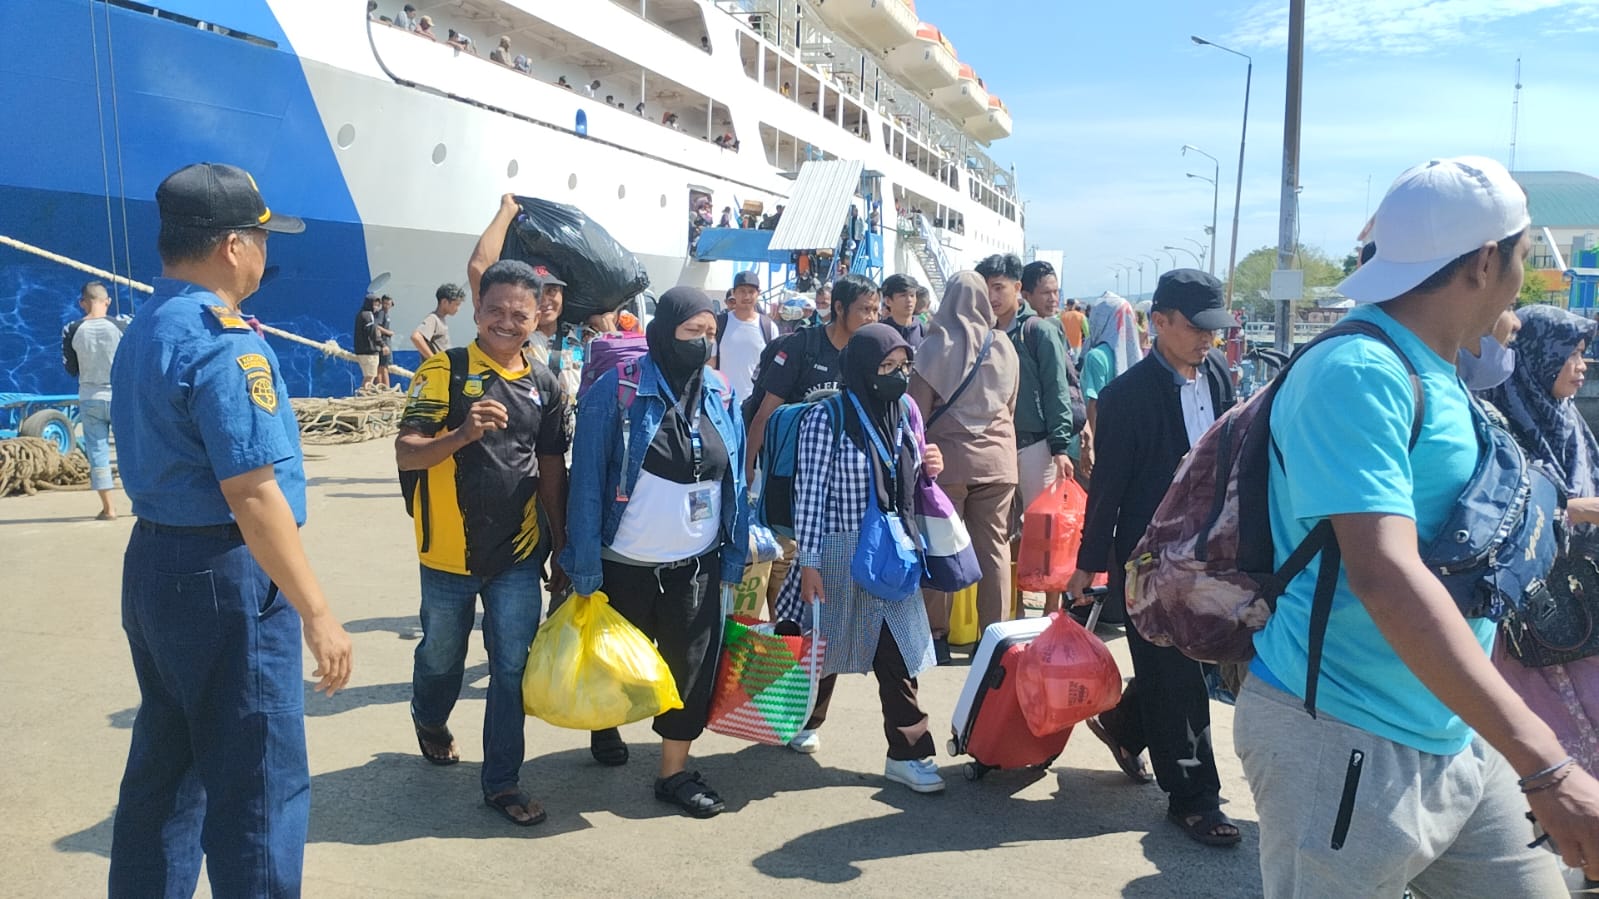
699 504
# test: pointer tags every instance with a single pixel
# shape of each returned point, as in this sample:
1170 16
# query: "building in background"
1567 204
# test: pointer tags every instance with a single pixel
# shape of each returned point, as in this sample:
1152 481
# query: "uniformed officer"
215 586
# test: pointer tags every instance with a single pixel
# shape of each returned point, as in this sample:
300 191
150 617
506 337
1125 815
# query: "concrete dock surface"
386 823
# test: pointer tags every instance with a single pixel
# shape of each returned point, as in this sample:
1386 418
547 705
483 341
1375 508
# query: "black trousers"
1166 709
680 608
904 722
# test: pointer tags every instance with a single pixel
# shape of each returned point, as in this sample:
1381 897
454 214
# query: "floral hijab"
1550 430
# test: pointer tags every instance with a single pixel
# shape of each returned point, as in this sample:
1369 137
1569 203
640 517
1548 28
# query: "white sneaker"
806 742
920 775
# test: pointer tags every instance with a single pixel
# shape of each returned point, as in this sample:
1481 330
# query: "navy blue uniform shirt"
197 399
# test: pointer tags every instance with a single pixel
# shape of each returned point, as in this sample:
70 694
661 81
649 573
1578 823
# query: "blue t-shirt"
198 398
1342 422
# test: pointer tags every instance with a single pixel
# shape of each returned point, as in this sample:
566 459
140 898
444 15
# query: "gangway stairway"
930 253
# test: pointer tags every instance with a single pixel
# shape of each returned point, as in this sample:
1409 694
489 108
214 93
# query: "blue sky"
1104 95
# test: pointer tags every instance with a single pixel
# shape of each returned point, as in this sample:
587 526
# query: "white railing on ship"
1266 332
934 246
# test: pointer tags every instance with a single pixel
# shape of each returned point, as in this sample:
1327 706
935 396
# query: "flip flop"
1202 829
436 737
1131 765
504 802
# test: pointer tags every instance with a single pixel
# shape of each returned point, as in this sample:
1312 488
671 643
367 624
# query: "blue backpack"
774 505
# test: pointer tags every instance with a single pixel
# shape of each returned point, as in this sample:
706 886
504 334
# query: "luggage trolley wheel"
975 770
953 746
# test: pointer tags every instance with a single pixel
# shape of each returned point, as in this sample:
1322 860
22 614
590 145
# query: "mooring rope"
328 347
31 464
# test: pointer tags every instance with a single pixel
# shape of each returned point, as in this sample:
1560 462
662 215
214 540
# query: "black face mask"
890 387
685 356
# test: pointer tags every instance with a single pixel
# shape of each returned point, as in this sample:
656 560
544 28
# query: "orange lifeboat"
875 24
963 99
926 62
991 125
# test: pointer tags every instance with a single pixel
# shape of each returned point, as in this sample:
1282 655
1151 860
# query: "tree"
1534 289
1253 276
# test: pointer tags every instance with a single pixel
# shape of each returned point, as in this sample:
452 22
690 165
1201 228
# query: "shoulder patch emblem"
227 318
258 381
473 386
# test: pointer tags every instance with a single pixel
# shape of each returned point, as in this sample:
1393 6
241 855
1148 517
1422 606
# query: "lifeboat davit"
876 24
926 62
964 99
991 125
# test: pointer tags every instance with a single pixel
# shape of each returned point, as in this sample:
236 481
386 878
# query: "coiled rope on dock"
372 414
31 464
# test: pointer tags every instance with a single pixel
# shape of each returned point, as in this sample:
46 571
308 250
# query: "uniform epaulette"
229 319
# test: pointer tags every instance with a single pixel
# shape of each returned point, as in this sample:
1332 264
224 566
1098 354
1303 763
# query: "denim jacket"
593 510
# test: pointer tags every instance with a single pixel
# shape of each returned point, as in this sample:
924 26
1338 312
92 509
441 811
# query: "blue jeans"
217 763
512 606
96 418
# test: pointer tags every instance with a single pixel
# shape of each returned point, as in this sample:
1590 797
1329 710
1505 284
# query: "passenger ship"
396 148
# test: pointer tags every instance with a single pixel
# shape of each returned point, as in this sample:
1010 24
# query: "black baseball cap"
546 277
747 278
218 197
1197 296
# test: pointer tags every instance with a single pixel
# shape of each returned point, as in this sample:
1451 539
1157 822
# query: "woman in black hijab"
876 459
656 519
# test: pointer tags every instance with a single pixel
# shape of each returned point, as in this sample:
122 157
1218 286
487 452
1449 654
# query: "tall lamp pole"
1197 260
1215 196
1156 261
1238 191
1200 246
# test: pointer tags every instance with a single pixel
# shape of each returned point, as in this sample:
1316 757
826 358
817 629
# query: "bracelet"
1546 786
1568 760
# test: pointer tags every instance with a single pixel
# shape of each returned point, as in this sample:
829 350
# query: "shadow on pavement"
390 481
973 816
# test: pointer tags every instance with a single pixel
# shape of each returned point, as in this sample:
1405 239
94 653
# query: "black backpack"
802 349
413 484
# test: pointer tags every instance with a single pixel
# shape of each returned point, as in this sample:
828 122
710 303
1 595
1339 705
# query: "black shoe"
688 792
941 651
607 747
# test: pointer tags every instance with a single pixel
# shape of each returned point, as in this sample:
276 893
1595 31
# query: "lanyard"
889 459
696 444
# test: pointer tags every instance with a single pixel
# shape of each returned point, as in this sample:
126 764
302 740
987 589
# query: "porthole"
511 168
346 136
663 201
439 152
621 191
571 181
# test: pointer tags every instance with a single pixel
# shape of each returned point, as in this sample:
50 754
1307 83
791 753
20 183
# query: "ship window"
439 152
214 28
571 181
511 168
621 191
346 136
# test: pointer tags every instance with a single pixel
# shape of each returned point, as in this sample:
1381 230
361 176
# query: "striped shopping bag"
766 683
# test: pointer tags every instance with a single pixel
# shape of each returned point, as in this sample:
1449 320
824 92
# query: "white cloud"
1385 26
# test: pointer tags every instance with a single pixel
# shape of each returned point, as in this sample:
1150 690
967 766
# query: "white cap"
1432 215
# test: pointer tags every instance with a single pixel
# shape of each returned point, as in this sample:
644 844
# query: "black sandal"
688 792
504 802
1131 765
429 739
607 747
1201 827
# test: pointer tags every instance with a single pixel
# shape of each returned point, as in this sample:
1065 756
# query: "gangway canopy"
818 207
737 245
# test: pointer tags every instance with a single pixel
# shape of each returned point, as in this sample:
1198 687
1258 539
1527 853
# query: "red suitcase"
988 722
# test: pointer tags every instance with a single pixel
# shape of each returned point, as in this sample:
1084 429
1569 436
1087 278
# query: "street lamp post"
1131 264
1197 260
1238 191
1200 246
1156 261
1215 197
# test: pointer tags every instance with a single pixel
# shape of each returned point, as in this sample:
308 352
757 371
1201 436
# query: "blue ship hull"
100 103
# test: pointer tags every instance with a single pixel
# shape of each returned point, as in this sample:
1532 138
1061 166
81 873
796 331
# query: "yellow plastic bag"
590 669
963 617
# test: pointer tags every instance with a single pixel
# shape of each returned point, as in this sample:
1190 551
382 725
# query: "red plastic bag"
1065 676
1052 532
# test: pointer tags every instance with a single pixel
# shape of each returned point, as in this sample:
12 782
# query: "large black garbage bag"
600 274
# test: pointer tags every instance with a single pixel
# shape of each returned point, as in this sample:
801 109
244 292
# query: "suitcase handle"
1098 593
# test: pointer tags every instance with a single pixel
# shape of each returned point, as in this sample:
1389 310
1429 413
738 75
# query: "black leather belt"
228 531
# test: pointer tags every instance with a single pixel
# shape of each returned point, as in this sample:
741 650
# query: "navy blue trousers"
218 765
